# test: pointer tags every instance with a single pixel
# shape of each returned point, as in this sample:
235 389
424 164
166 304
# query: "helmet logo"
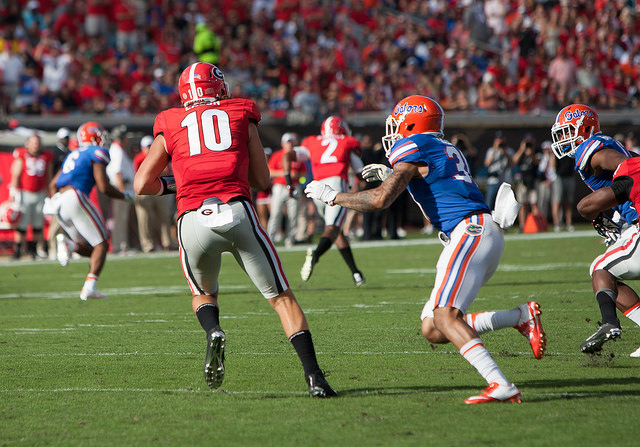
569 115
408 108
215 71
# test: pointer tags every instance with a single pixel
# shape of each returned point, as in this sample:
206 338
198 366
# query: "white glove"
52 205
321 191
376 172
129 197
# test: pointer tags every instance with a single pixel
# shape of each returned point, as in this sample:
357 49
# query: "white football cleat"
635 353
307 267
64 249
496 393
91 295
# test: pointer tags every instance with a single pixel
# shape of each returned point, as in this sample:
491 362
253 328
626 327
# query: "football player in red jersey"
31 171
622 259
331 154
213 144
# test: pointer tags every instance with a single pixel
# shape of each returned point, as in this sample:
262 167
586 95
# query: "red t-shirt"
330 156
34 169
275 164
138 159
208 146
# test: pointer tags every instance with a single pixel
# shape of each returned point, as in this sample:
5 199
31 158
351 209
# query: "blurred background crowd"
304 59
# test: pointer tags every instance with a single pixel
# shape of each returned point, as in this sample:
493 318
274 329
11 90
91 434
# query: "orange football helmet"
574 124
91 133
202 81
412 115
334 125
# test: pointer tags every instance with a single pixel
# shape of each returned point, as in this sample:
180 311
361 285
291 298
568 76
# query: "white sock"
633 314
491 321
90 282
475 353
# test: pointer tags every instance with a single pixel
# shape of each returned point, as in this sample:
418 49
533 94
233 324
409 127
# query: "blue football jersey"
583 155
448 193
77 169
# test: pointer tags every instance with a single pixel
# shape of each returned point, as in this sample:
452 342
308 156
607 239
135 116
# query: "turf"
128 370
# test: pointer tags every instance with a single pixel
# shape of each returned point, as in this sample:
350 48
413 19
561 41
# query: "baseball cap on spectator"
63 132
33 4
499 134
546 144
146 141
287 137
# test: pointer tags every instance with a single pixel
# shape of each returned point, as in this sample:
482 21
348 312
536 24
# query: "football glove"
376 172
321 191
607 229
293 192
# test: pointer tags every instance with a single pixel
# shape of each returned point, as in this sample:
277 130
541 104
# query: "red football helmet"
334 125
574 124
10 213
202 81
91 133
412 115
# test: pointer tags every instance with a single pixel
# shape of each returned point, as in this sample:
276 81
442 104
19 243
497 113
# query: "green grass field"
127 371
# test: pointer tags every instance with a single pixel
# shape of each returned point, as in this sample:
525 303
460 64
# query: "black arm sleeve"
621 187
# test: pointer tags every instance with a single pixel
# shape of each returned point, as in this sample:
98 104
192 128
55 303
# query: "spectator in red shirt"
125 13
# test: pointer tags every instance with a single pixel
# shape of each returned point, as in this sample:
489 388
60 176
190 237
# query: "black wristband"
287 178
168 186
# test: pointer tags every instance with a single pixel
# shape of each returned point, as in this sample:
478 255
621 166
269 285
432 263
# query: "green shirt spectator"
206 44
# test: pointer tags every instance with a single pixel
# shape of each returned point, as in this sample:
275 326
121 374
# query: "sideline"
355 244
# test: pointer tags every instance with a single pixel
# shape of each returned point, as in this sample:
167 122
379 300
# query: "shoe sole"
596 345
534 309
517 399
214 360
307 268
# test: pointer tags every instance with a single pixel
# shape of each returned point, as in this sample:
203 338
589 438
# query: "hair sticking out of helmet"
91 133
202 82
573 125
413 115
334 125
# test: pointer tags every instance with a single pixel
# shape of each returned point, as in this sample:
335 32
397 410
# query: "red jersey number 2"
216 131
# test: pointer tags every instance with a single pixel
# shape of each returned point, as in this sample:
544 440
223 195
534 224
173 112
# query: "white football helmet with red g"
413 115
10 213
202 81
574 124
91 133
334 125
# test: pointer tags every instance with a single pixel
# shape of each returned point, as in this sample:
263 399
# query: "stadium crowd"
305 59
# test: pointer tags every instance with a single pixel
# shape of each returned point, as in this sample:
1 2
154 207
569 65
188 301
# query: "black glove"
607 229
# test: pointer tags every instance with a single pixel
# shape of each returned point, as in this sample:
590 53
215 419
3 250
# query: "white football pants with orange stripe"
470 257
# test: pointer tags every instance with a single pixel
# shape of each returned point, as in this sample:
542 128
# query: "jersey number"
331 145
216 131
70 162
461 164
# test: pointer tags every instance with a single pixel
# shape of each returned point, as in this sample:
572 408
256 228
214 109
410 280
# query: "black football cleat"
214 360
604 333
318 386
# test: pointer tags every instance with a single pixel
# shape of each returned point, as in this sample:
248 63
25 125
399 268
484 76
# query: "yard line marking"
146 290
505 268
372 391
288 353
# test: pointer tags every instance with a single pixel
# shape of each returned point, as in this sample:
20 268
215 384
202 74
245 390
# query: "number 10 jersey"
208 146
